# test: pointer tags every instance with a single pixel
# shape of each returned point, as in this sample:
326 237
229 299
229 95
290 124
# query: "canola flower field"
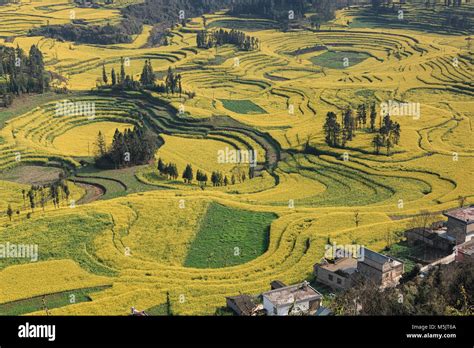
140 244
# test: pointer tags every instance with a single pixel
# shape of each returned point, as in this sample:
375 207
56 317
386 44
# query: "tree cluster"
132 147
173 82
21 73
337 135
40 195
170 170
206 39
388 135
123 81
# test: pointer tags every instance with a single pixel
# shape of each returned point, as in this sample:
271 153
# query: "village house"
292 300
298 299
339 273
443 237
336 273
383 270
460 225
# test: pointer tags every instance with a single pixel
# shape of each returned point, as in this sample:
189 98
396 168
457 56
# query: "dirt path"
93 192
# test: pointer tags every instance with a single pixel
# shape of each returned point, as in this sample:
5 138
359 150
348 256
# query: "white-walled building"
295 299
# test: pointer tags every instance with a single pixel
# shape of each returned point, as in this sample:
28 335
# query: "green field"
242 106
55 300
69 236
337 59
218 246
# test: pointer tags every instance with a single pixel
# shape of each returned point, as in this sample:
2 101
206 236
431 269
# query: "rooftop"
379 258
290 294
465 215
467 248
433 233
347 265
245 303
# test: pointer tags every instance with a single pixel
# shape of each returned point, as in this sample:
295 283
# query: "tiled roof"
463 214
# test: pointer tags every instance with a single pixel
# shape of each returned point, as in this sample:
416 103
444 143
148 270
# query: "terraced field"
148 236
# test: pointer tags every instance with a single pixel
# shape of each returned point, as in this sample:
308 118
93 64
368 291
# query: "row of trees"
132 147
40 195
170 170
337 135
121 80
206 39
21 73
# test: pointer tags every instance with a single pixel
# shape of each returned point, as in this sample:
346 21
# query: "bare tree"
356 218
462 201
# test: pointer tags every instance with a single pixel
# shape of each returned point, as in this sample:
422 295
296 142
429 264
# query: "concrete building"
336 273
460 224
382 270
292 300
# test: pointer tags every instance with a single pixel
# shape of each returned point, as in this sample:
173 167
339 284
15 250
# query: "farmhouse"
382 270
295 299
336 273
460 224
340 272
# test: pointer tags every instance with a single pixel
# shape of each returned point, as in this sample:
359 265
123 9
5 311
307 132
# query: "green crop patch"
339 59
229 237
55 300
68 236
242 106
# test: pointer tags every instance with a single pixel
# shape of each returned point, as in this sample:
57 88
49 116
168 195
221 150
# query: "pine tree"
188 174
122 71
100 145
104 75
114 78
161 166
373 117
